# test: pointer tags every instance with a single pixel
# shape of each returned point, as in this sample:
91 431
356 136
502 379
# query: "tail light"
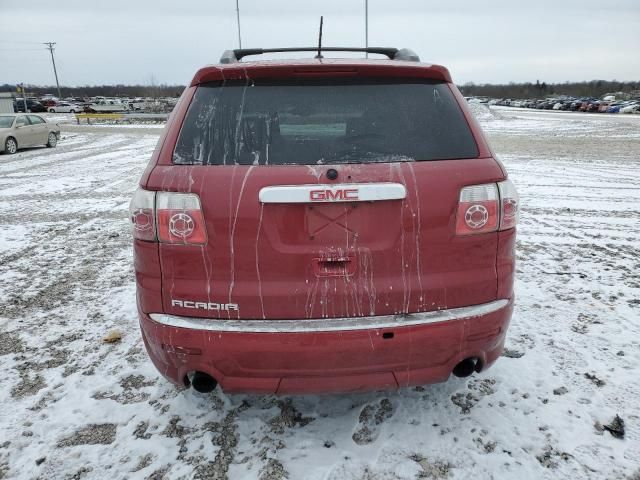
168 217
487 208
180 219
141 210
509 202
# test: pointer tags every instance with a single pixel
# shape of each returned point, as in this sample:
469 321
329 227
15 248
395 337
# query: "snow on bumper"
326 355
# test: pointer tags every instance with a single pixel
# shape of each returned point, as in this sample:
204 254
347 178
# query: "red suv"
323 225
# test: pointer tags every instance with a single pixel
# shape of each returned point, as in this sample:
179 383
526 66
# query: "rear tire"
11 146
53 140
52 110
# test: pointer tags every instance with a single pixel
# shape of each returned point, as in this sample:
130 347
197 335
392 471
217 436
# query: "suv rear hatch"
287 240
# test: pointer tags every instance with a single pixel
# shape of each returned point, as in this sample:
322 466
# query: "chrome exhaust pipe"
203 382
465 368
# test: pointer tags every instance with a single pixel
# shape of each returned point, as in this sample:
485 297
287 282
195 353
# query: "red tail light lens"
180 219
141 211
477 210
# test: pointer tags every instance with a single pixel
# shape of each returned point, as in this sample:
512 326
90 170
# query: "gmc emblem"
333 195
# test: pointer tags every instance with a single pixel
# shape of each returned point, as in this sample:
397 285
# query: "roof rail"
233 56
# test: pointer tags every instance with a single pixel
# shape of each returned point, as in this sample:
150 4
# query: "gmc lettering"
333 195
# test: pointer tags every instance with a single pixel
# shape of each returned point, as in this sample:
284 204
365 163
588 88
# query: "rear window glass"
318 122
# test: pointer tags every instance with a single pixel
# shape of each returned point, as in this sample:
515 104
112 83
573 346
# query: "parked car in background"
594 107
574 106
607 104
37 107
280 279
48 102
106 105
32 106
585 105
65 107
137 104
24 130
631 108
614 107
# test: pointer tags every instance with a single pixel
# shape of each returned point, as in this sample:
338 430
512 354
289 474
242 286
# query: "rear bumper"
326 355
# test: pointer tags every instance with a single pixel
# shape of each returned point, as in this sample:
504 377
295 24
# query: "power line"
50 47
27 43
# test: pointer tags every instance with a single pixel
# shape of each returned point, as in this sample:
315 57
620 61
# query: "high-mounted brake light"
141 211
180 219
487 208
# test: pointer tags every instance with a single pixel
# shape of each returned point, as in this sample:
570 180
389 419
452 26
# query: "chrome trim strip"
324 193
328 324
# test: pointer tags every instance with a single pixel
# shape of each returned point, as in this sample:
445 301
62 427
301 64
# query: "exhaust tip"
203 382
465 368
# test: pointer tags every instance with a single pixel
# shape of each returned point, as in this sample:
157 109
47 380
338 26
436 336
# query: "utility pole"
366 26
50 47
238 18
24 97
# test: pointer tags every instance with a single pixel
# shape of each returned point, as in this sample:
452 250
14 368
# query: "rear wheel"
11 146
53 140
52 110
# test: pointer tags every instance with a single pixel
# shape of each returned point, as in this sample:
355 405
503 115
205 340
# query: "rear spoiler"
234 56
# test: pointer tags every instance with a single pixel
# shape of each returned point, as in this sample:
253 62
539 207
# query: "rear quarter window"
329 121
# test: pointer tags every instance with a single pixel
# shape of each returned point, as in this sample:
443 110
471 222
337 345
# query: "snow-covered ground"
75 407
556 123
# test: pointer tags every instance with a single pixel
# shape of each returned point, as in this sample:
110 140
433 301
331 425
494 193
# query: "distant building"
6 103
610 97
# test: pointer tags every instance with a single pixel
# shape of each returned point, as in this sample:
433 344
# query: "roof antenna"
320 40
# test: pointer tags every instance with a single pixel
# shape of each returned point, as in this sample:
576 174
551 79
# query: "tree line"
538 89
101 90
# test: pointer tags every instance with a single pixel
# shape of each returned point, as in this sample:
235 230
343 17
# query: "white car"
64 107
633 108
137 104
107 105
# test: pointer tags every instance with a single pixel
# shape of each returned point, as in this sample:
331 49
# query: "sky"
165 42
